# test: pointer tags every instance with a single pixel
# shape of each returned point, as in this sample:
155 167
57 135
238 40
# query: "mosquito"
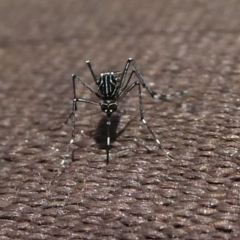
112 87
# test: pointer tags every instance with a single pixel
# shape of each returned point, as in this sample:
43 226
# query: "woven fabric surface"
141 194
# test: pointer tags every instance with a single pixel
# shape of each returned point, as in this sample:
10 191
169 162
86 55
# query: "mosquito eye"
113 107
104 107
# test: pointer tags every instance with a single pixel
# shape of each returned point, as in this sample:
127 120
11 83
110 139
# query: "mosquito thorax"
108 106
107 85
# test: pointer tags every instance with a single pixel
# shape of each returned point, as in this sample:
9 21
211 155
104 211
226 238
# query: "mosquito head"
108 107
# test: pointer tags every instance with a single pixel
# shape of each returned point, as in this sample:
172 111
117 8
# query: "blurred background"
178 45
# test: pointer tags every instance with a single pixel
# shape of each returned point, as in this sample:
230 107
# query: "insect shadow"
100 133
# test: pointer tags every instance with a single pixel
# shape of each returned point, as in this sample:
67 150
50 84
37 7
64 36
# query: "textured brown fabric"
178 45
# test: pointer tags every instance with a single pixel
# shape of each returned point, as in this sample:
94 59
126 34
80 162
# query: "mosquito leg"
64 123
74 109
165 97
126 90
91 70
129 78
123 77
168 97
158 142
75 77
75 101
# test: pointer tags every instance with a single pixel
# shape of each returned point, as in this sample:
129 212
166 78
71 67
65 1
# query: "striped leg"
158 142
74 109
165 97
